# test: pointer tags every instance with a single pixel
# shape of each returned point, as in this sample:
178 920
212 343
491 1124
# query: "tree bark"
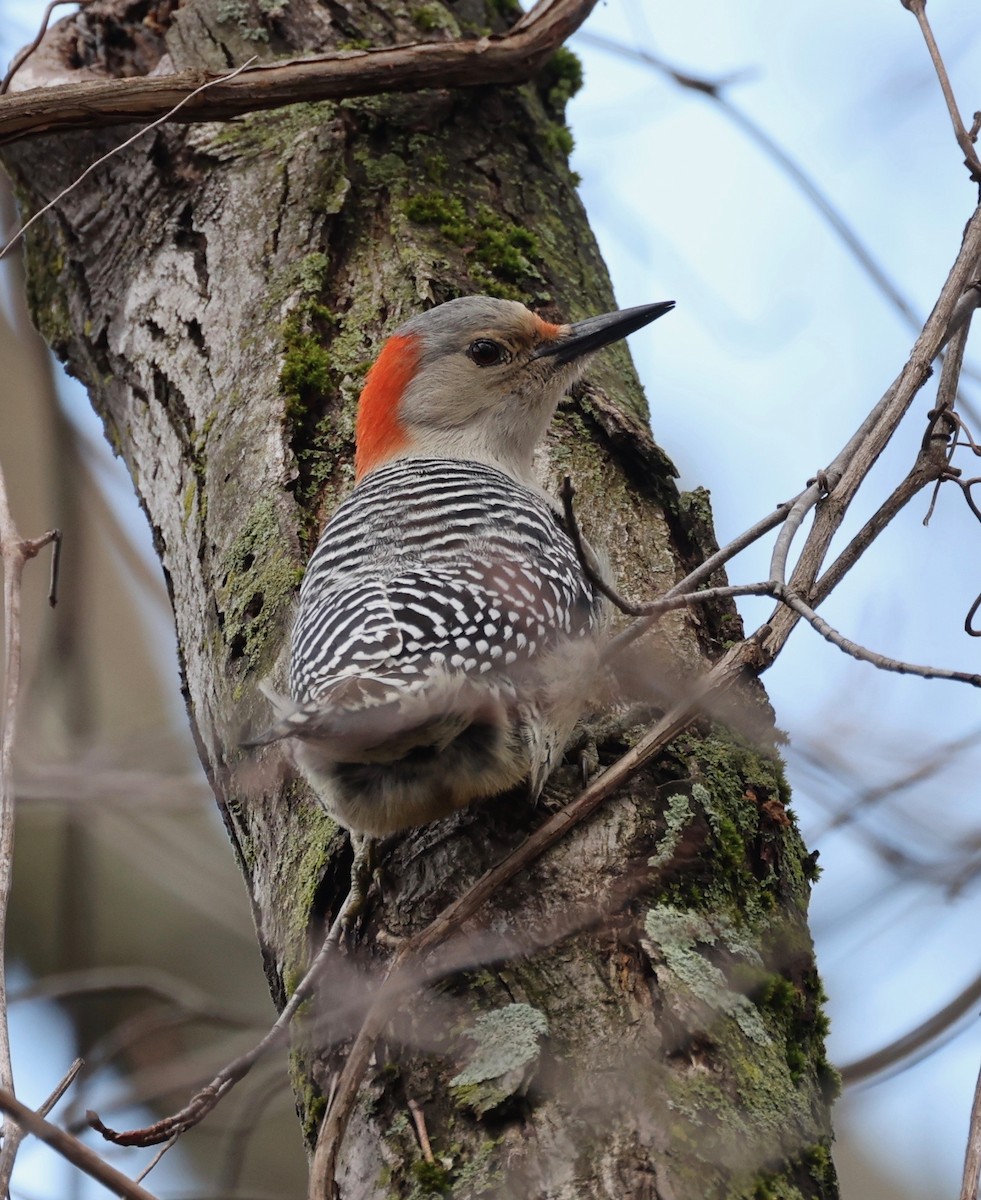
221 290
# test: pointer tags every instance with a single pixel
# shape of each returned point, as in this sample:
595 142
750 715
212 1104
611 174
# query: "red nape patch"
379 431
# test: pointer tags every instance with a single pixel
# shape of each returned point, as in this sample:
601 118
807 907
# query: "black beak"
586 336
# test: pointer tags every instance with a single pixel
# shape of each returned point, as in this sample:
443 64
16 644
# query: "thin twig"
157 1157
704 596
649 608
71 1149
788 597
972 1156
704 570
15 552
22 56
795 519
63 1086
909 1048
929 467
715 90
14 1134
972 612
851 466
932 462
419 1120
208 1097
774 588
964 140
56 541
511 58
116 150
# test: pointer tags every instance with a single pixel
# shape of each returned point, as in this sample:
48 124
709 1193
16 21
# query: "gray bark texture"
221 289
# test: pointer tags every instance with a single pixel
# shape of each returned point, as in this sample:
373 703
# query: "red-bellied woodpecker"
445 636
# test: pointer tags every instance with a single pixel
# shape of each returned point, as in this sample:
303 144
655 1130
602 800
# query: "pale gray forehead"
447 325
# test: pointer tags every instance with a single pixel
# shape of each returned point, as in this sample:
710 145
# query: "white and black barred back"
437 597
436 563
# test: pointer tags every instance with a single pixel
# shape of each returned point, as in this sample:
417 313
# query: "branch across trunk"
513 57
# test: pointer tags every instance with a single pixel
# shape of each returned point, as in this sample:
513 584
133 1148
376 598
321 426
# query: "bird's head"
477 378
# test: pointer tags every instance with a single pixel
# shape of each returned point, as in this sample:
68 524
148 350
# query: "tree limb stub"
511 59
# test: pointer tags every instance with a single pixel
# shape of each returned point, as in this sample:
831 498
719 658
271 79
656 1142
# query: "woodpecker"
446 632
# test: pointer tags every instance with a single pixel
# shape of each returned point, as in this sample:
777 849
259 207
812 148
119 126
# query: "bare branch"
933 461
704 570
208 1097
972 1156
919 477
649 608
23 55
72 1149
964 139
63 1086
157 1157
930 467
98 163
848 470
514 57
15 552
906 1050
14 1134
807 500
788 597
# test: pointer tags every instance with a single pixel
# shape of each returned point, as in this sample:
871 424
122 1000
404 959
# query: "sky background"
777 349
779 346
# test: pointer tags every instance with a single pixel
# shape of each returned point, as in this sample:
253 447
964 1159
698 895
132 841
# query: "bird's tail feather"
372 719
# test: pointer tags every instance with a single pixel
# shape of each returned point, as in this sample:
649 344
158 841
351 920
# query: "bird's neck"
518 466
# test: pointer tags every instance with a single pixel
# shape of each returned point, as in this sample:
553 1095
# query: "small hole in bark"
254 606
247 561
237 648
195 333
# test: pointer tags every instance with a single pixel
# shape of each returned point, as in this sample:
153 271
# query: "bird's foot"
363 875
584 754
357 897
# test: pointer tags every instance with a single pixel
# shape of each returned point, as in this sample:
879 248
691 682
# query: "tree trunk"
221 289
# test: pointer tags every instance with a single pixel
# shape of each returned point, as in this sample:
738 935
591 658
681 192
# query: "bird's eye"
486 353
